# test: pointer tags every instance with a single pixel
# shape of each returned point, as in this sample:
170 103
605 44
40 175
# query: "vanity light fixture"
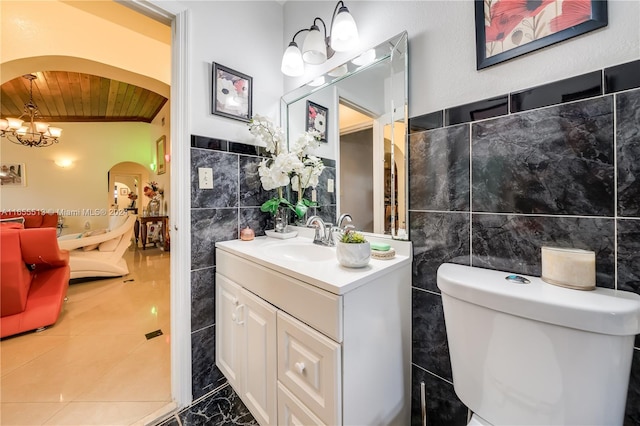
318 47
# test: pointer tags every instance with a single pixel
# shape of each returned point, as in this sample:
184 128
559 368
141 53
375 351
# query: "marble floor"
95 366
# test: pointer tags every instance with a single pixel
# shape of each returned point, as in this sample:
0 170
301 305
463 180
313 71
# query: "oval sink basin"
300 252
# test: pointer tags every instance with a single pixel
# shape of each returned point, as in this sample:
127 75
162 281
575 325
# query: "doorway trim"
177 14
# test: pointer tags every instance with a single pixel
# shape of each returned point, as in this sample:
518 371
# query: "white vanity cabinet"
316 344
246 347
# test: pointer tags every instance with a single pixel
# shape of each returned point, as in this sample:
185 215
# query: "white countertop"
326 274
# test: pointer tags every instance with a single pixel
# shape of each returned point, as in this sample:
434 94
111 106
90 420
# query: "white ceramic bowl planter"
353 254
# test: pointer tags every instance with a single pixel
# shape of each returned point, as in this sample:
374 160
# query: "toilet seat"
476 420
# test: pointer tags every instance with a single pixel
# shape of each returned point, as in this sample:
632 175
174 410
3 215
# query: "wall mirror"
363 109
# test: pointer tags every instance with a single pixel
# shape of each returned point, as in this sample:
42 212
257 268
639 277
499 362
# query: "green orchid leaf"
309 203
270 206
301 208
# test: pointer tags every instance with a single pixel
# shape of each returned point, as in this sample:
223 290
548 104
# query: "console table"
143 220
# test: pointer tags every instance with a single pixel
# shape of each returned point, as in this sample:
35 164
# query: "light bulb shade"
314 49
292 63
14 123
344 32
22 131
4 124
55 132
41 127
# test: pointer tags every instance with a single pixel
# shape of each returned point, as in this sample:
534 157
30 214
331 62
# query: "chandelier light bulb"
55 132
14 123
41 127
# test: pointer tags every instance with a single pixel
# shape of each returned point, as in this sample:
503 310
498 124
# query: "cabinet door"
259 387
309 365
227 329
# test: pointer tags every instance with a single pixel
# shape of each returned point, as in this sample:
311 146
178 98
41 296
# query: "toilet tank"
536 353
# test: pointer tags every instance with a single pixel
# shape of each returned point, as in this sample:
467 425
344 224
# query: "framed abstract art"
506 29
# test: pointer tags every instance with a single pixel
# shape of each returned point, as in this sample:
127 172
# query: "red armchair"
31 296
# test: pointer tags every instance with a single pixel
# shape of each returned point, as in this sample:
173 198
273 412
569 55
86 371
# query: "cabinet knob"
299 367
234 317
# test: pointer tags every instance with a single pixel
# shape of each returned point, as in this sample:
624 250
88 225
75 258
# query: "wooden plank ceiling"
63 96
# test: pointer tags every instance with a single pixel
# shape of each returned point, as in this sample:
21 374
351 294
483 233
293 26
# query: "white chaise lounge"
99 255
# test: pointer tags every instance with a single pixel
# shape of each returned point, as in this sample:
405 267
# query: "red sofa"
31 296
33 218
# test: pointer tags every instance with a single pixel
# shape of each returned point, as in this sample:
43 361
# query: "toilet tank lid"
602 310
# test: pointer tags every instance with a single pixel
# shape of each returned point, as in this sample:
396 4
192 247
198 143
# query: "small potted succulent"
353 250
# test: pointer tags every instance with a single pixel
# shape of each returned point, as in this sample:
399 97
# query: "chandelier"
34 133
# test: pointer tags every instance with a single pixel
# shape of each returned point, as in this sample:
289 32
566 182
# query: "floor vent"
153 334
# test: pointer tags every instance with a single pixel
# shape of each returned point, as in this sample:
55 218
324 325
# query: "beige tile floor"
95 365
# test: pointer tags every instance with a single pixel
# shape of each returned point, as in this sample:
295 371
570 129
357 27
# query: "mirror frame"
383 52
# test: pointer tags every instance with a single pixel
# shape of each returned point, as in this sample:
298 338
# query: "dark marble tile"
328 162
222 408
209 226
622 77
225 179
429 346
252 193
424 122
629 257
247 149
629 254
557 160
209 143
203 298
327 213
571 89
443 406
323 196
205 375
256 220
479 110
437 238
513 243
628 151
632 412
439 169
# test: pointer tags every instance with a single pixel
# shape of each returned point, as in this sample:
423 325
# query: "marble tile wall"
219 214
490 192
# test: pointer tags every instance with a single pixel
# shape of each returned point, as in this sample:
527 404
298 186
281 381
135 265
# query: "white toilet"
535 353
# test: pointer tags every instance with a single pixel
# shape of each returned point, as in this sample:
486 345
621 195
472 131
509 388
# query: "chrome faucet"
343 217
324 234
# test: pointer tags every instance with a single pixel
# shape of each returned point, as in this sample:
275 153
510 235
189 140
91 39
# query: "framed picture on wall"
317 119
506 29
232 93
12 174
161 150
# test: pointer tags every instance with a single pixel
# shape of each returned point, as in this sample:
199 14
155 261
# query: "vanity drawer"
309 365
318 308
291 412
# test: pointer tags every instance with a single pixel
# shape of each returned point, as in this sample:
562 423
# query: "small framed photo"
317 118
161 150
124 191
12 174
232 93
